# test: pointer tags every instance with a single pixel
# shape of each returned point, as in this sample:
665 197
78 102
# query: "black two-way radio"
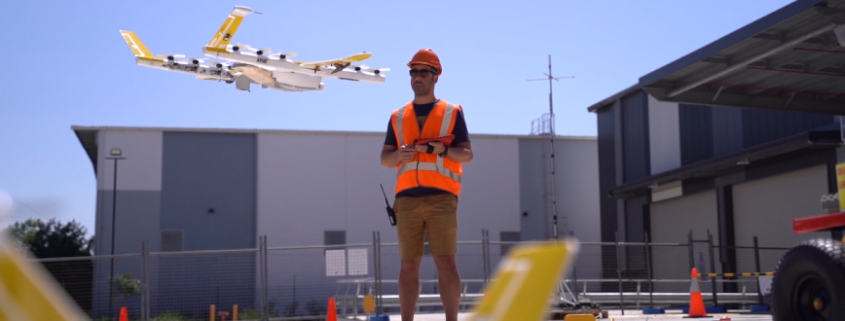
390 214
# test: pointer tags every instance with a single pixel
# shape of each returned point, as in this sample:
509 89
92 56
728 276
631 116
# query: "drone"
244 65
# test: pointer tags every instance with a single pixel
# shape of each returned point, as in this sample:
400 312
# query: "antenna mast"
549 77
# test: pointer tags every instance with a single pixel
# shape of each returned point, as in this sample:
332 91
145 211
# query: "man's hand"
392 157
438 148
406 153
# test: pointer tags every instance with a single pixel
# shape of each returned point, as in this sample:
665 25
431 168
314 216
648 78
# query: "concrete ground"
630 315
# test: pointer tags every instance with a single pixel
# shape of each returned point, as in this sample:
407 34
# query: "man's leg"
442 227
450 284
410 229
409 287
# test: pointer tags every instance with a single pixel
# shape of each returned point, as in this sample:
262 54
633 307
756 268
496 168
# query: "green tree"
52 238
125 286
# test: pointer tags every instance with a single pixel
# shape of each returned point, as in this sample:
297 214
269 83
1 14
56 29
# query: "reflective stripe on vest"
399 121
409 166
444 130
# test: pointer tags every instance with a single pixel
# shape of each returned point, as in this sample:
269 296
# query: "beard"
420 89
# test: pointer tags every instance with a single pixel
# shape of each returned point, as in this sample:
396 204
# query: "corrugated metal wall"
696 133
760 126
635 136
727 130
710 131
607 172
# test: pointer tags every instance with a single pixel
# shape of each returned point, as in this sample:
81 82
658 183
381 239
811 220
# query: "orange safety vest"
426 170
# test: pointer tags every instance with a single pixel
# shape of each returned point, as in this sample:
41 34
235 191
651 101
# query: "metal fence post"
574 271
712 267
757 266
489 255
691 250
265 282
619 274
485 254
377 271
648 270
145 281
378 267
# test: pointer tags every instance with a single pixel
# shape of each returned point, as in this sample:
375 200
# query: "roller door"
671 221
765 208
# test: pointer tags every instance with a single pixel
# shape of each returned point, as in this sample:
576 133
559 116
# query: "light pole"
115 155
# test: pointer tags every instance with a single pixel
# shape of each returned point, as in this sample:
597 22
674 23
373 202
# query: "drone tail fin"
227 30
139 49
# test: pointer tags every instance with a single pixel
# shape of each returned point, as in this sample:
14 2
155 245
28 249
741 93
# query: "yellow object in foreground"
840 184
28 292
524 282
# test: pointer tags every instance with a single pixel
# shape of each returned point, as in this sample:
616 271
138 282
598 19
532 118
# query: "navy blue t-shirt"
422 111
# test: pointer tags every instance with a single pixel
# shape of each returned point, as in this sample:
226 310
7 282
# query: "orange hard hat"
427 57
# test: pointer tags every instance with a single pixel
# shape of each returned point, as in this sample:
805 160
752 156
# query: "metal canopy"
791 59
822 138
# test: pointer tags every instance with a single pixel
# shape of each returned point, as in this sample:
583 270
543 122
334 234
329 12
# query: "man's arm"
391 156
461 153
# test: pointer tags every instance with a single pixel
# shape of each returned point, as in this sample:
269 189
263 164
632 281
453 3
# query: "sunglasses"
420 72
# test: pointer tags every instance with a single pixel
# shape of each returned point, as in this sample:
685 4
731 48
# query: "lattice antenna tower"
549 77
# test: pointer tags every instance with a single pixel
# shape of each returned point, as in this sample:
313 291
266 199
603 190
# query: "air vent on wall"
171 241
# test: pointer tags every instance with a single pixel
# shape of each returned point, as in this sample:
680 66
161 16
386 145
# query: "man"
428 184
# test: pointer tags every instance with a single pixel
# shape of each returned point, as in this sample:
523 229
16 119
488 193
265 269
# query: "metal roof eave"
88 140
607 102
728 163
731 39
751 64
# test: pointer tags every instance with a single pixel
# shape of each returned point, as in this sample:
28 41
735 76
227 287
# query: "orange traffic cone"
123 315
332 314
696 302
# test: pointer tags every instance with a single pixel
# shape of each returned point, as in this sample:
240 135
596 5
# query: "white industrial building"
188 189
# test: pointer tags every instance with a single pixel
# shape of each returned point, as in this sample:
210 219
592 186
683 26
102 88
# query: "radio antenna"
549 77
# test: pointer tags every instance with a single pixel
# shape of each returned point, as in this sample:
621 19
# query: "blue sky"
66 64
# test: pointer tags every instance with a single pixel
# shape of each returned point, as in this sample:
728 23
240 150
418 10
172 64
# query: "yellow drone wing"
353 58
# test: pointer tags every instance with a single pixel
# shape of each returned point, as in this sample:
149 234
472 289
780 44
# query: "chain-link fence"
299 283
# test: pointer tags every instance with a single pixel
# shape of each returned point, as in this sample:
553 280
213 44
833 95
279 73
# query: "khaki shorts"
433 215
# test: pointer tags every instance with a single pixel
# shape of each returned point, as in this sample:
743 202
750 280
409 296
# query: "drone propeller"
195 61
376 71
170 57
283 55
242 46
217 64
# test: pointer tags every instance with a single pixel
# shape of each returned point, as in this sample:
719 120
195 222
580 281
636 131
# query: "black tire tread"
832 250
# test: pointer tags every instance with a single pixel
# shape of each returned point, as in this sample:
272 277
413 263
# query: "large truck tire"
809 282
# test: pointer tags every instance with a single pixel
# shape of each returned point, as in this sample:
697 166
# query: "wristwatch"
445 151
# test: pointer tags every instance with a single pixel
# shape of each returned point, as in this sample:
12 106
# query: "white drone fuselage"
278 64
282 80
199 70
